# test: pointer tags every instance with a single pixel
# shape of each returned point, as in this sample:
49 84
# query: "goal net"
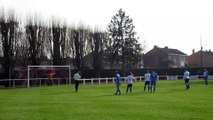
48 75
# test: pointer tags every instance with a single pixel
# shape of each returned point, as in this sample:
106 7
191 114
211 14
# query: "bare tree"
80 46
42 38
96 43
56 32
58 42
35 33
21 51
69 47
78 53
8 29
64 40
1 49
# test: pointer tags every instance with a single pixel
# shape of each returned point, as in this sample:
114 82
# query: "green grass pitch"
97 102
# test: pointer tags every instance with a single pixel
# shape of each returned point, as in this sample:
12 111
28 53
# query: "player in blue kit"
117 83
153 77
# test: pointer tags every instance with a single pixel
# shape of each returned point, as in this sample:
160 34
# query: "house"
201 59
165 58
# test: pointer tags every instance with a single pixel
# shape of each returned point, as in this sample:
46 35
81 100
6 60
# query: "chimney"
155 46
193 51
166 47
210 50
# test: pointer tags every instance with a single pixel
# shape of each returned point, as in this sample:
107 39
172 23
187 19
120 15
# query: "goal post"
48 71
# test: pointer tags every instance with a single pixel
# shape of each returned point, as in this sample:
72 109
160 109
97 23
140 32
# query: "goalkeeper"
50 76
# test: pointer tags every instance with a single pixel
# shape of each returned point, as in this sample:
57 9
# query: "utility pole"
201 52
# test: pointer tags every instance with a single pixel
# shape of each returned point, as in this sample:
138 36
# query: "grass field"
96 102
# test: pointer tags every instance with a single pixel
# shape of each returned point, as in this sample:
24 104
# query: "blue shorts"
153 83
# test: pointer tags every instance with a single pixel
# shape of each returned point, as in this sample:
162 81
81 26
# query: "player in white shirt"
186 77
205 76
147 80
129 80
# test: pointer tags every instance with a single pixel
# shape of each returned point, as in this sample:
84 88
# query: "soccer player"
153 77
129 80
186 77
118 83
205 76
50 76
76 78
147 80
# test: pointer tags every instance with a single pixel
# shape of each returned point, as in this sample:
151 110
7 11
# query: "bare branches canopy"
37 43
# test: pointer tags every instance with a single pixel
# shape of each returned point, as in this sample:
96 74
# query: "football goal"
44 74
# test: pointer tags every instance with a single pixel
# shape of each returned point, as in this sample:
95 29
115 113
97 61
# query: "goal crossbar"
46 66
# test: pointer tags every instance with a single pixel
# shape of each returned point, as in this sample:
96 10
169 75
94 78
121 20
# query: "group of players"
186 77
150 81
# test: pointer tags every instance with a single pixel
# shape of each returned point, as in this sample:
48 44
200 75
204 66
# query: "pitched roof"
208 53
172 51
195 59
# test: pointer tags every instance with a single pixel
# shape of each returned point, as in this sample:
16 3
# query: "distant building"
165 58
201 59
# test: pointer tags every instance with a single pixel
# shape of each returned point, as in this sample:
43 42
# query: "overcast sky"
178 24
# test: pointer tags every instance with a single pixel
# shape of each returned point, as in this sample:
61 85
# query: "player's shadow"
105 95
122 94
173 91
55 93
